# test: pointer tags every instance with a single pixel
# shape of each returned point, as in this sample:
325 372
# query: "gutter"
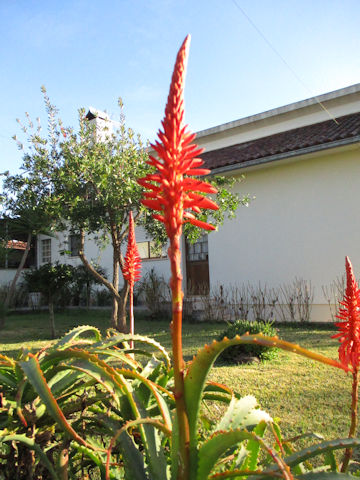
281 156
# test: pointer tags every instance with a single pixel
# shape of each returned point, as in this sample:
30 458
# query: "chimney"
103 124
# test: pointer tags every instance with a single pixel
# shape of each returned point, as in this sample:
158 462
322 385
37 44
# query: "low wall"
6 275
204 309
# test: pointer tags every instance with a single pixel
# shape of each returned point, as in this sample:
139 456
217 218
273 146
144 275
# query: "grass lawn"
305 395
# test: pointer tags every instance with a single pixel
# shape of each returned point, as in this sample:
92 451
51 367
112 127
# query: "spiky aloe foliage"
85 403
68 401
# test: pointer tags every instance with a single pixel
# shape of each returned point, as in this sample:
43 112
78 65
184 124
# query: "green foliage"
49 279
154 291
82 284
240 327
114 416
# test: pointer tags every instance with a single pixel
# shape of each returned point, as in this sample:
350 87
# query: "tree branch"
93 271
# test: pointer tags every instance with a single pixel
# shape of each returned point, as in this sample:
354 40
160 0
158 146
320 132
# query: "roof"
297 141
336 94
16 245
95 113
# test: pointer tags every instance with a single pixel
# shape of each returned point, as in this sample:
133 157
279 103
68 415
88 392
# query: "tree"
28 204
98 188
93 186
24 223
50 280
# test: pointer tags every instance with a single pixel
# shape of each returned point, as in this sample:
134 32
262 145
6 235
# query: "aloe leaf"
114 340
314 450
5 360
326 476
18 399
261 475
7 379
242 413
154 451
253 448
212 449
35 376
30 443
96 459
202 362
116 355
68 338
163 408
174 452
218 387
216 397
60 382
133 460
330 460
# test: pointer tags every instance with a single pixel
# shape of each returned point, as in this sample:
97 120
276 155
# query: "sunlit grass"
305 395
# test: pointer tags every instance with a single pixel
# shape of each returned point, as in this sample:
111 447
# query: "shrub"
237 353
103 297
153 290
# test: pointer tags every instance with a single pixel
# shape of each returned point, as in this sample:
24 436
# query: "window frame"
149 245
73 248
46 250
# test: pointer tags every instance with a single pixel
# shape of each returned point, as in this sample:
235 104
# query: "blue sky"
89 53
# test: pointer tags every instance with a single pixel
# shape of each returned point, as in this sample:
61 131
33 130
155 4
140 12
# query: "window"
46 250
198 251
151 250
74 245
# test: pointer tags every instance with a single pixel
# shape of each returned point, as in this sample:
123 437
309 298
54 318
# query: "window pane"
143 248
74 245
155 251
46 250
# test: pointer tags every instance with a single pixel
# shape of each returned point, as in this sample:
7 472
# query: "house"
302 163
12 252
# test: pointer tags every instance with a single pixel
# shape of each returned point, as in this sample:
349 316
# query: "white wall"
100 256
303 222
6 275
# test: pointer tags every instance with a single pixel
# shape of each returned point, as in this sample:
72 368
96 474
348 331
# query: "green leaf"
68 338
212 449
35 376
120 338
30 443
242 413
153 447
253 448
202 362
7 379
319 449
326 476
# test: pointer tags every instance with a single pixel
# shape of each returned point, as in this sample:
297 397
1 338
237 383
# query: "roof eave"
286 155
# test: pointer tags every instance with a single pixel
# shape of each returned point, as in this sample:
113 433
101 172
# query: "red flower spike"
132 263
171 190
349 327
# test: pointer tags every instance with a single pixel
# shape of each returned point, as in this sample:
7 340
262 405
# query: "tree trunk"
118 313
12 287
121 312
52 318
115 303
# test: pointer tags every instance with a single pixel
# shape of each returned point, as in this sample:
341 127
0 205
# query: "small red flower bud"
349 327
132 264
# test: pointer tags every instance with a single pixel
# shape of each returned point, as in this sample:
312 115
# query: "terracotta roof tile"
317 134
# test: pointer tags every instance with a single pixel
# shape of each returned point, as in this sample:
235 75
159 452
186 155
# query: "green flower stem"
176 333
354 418
131 301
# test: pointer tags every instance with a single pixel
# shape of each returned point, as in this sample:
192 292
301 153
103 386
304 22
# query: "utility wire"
271 46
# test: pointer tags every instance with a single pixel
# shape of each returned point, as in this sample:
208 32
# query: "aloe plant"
118 406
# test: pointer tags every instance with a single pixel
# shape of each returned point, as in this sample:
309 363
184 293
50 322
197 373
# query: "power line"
278 54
